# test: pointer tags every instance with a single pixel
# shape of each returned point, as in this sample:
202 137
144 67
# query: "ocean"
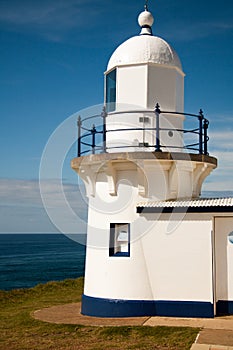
30 259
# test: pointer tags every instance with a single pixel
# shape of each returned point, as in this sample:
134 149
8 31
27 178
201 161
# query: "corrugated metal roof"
199 202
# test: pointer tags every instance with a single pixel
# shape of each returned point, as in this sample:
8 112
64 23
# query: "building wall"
178 253
165 86
170 257
169 268
132 85
114 277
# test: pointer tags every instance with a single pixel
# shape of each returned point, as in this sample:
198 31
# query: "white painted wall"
179 263
114 277
132 85
165 86
147 84
162 266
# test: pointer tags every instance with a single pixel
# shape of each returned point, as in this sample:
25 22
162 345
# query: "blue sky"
53 55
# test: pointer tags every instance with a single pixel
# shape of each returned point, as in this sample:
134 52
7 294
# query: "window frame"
110 84
114 249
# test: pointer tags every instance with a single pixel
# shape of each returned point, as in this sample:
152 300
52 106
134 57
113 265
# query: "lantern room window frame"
110 90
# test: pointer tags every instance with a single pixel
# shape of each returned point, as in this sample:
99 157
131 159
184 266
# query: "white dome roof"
144 49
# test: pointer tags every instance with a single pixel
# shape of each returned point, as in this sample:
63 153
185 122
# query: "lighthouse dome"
144 48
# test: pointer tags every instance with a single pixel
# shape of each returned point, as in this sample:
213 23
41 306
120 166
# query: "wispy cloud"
221 147
49 18
221 140
60 13
197 30
22 210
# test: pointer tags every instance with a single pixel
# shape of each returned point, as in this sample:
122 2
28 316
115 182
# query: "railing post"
104 115
157 113
200 117
93 131
79 123
206 138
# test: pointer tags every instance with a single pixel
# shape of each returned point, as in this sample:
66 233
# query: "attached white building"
153 246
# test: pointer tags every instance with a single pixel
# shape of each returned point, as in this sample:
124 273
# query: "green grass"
19 331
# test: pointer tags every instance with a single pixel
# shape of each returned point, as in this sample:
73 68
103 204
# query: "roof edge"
178 69
174 210
198 205
132 156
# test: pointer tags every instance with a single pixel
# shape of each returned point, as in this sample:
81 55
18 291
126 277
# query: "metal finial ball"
145 19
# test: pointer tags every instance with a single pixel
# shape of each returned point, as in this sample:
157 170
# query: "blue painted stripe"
224 307
101 307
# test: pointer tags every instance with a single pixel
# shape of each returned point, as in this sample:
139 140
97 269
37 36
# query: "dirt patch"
71 314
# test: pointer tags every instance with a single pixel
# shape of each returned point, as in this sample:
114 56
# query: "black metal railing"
92 139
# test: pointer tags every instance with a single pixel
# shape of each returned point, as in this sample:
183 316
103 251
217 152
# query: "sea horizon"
30 259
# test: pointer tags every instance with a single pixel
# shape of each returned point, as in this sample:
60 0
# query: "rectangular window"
111 91
119 243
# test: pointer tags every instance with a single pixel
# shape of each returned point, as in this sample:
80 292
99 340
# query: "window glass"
119 243
230 237
111 91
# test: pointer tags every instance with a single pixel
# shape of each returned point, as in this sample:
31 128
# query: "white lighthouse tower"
147 253
142 70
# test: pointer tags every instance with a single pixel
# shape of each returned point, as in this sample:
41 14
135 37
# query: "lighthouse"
154 247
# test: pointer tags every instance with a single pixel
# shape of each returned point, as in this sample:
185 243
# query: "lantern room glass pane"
111 91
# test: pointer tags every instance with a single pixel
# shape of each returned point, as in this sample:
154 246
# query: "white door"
223 256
